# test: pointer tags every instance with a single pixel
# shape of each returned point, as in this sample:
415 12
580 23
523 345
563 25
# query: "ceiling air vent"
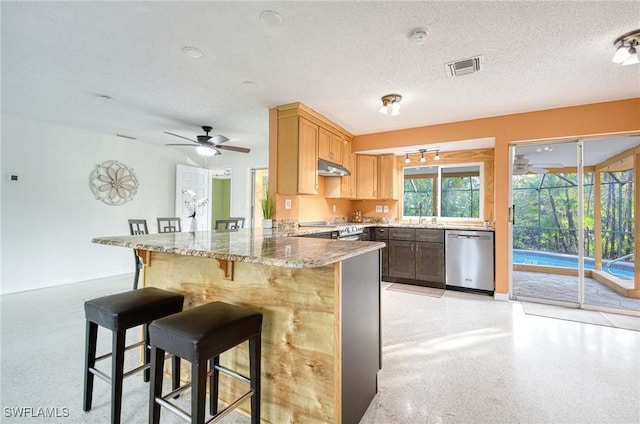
464 66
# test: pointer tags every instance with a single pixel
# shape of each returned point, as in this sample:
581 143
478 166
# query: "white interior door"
197 180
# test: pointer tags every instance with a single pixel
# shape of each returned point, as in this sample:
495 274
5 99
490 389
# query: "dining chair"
169 225
137 227
239 219
227 224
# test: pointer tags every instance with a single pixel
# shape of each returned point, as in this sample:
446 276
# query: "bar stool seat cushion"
203 332
130 309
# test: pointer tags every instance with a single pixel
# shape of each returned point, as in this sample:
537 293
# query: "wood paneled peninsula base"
321 304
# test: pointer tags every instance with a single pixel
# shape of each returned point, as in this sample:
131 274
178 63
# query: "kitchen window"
447 191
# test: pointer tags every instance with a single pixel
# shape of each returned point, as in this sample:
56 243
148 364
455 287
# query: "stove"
346 231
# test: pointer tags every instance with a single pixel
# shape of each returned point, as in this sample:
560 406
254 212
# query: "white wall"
50 216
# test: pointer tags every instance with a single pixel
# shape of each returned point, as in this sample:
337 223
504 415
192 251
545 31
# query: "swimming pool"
533 257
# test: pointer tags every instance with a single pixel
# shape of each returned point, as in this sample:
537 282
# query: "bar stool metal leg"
90 362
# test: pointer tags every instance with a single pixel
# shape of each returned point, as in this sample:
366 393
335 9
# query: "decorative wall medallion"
113 182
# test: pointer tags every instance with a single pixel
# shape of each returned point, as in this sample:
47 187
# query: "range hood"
330 169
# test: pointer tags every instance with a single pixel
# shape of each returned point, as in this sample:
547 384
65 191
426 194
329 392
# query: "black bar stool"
200 335
118 313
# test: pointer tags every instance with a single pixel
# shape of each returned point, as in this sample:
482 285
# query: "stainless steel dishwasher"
469 259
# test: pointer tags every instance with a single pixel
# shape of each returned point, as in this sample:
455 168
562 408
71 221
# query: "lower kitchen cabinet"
430 264
382 234
402 262
413 261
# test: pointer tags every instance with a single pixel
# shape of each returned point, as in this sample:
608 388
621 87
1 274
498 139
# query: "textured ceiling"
339 58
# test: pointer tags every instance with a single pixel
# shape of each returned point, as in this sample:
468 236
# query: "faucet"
420 219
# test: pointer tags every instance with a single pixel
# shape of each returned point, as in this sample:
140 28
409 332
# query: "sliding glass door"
574 223
546 226
610 223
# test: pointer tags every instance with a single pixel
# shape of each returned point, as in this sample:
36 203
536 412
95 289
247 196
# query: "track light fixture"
391 104
423 159
626 52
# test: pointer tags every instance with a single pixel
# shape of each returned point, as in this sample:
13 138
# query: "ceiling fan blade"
188 145
234 148
217 139
176 135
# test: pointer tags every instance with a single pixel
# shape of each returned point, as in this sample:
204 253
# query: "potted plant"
267 209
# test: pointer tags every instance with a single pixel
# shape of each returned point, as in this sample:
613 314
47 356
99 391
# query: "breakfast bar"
321 304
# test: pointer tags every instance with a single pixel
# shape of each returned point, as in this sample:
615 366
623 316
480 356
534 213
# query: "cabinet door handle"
412 247
417 247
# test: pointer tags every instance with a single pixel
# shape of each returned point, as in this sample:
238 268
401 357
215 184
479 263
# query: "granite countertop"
273 248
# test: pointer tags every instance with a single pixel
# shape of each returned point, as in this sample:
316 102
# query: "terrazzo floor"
565 288
461 358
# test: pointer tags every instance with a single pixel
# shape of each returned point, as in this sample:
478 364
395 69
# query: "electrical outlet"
379 208
13 177
334 208
287 203
386 209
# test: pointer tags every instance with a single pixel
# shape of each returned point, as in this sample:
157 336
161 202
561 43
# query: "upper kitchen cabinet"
387 177
343 187
298 137
297 156
367 177
330 147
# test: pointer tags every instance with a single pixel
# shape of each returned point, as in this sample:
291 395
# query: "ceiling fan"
208 145
521 166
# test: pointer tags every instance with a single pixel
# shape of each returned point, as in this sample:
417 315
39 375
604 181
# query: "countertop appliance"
469 259
346 231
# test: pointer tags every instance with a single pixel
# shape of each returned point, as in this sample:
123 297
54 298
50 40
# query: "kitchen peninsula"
321 304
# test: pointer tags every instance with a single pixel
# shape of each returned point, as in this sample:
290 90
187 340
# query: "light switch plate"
287 203
386 209
334 208
379 208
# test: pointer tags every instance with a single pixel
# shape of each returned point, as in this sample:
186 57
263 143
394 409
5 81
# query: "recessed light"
418 36
193 52
105 98
250 85
271 18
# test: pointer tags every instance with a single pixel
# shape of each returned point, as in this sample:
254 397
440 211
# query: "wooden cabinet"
402 261
430 264
297 155
416 256
343 187
387 177
382 234
367 177
330 146
348 161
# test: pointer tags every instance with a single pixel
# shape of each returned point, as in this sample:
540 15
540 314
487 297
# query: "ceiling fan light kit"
626 53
